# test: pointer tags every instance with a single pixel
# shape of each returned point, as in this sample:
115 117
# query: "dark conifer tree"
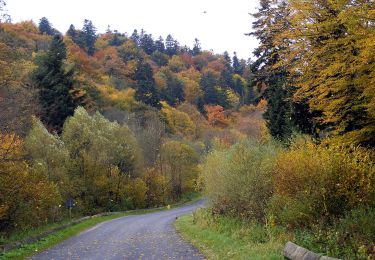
208 84
116 41
174 92
282 113
135 37
147 43
226 80
76 36
72 32
159 44
88 36
146 90
186 49
279 111
171 45
45 27
55 85
212 94
237 66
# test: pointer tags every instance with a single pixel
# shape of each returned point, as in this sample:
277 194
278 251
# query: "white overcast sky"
221 28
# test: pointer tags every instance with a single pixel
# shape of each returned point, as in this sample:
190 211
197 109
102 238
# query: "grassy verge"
55 238
60 236
226 238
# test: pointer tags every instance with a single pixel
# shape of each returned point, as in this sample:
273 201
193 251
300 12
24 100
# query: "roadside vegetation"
282 146
223 237
314 176
322 198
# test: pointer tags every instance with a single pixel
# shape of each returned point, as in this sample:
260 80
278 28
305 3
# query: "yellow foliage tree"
180 166
331 58
178 122
26 196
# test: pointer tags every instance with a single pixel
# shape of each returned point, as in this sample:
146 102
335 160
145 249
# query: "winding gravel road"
149 236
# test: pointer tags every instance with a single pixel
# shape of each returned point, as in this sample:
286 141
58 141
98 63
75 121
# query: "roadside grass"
227 238
55 238
59 236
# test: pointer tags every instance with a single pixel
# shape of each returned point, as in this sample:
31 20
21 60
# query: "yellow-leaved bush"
314 183
27 197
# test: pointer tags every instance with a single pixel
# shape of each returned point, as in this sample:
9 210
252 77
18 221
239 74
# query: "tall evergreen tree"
213 95
146 90
88 35
55 85
159 44
72 32
237 66
226 75
135 37
208 84
45 27
282 115
147 43
76 36
171 45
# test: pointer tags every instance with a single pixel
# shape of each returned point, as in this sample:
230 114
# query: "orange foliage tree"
215 115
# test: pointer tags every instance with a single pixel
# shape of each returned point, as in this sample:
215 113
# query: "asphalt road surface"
149 236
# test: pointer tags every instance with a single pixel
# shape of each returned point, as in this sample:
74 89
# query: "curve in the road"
149 236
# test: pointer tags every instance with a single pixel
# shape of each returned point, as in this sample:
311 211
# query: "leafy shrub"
239 180
351 237
314 184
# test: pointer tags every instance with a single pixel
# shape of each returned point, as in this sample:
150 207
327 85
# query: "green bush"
238 181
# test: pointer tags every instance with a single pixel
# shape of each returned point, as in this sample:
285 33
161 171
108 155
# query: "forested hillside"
111 121
281 144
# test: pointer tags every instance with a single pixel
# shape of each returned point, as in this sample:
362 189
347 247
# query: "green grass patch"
227 238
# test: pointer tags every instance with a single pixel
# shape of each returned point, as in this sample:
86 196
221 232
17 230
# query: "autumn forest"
118 121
